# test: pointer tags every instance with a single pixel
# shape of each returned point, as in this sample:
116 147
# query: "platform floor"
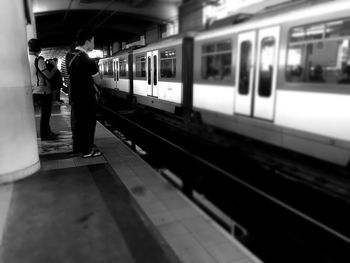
113 208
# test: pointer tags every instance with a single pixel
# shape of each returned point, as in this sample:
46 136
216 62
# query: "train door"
152 73
266 73
116 71
256 82
245 73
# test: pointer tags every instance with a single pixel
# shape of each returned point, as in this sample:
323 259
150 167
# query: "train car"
106 68
162 76
282 78
117 73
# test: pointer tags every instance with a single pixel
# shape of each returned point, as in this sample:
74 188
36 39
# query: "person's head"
73 46
85 38
34 46
55 60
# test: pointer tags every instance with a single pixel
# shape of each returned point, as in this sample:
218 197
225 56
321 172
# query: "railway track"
256 206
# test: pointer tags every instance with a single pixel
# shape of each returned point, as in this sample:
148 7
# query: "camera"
50 63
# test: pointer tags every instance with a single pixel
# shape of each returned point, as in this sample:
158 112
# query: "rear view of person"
56 83
84 74
64 71
42 92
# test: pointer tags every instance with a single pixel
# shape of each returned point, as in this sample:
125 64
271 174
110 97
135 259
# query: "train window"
267 56
338 28
208 48
322 56
244 67
117 69
108 68
116 77
140 63
155 70
307 33
217 61
149 70
297 34
224 46
168 63
123 71
315 32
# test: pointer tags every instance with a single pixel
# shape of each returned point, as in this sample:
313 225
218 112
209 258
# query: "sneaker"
93 153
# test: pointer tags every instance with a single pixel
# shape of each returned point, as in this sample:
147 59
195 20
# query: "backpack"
36 62
70 57
56 81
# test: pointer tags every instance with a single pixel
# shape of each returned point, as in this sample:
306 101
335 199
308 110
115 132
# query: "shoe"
93 153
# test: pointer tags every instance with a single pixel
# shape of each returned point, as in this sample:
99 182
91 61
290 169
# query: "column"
18 144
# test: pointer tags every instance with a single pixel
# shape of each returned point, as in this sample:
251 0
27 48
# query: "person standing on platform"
57 82
42 92
84 74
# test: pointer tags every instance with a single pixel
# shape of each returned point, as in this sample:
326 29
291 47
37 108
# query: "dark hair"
34 45
84 35
73 46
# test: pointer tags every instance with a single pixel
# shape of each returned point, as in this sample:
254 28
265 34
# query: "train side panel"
123 74
305 103
216 98
139 88
170 91
313 80
306 113
124 85
107 72
157 75
214 83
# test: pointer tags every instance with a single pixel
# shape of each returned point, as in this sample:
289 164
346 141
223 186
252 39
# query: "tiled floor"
174 223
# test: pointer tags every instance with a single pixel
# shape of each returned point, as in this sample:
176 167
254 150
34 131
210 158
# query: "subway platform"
113 208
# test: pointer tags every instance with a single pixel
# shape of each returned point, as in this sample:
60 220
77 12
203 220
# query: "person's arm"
97 79
42 67
94 72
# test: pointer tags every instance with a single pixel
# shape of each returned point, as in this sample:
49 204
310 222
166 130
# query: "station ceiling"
57 21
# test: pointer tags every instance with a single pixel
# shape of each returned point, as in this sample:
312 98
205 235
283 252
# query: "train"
281 77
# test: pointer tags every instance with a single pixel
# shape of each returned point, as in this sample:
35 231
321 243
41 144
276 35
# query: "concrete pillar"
18 144
30 32
31 25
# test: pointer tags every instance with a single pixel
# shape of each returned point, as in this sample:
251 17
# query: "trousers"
84 127
44 103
